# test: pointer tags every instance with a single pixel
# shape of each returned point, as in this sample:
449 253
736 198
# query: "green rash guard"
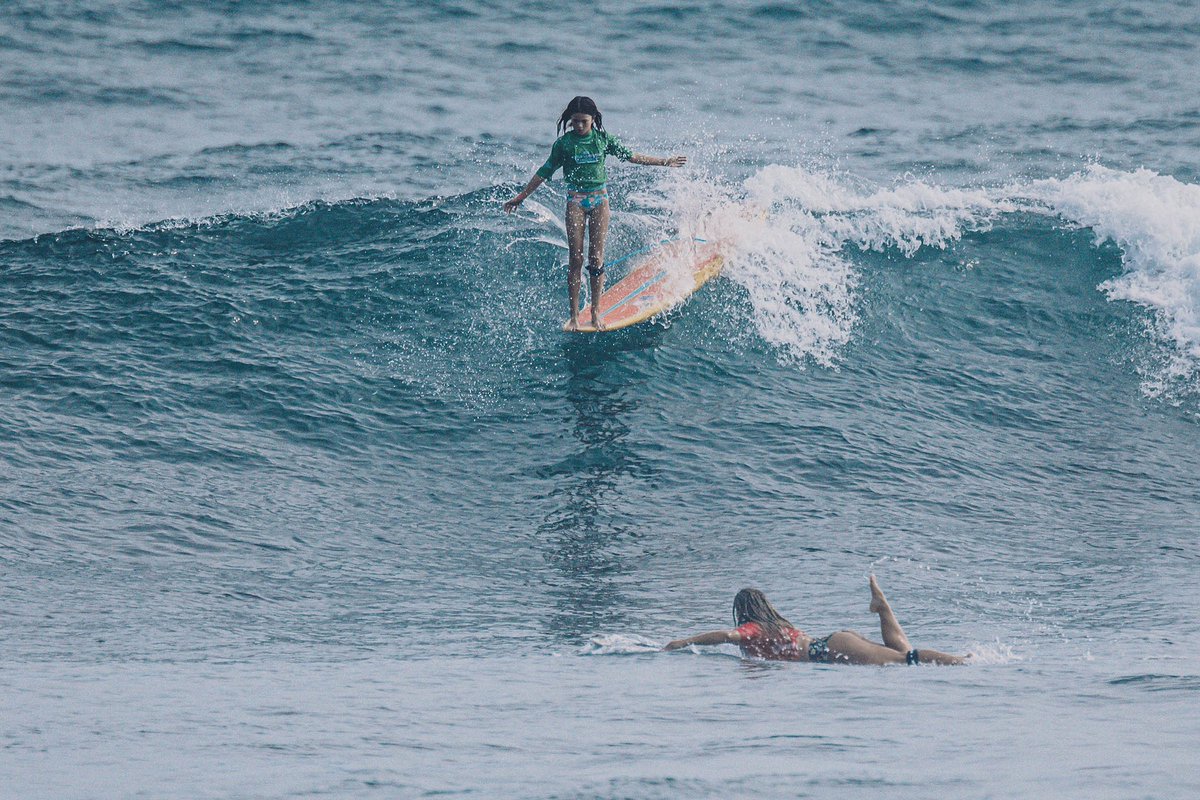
582 159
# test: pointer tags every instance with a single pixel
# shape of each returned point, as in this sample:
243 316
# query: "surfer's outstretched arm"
530 188
655 161
712 637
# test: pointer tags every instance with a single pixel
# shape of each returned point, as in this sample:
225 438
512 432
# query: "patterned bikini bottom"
587 200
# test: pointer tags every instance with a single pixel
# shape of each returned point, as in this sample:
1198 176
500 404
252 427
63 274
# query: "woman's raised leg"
893 634
889 626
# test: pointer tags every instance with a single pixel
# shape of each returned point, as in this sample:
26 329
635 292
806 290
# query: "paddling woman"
580 152
762 632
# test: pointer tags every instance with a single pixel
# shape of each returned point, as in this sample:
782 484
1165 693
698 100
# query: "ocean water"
304 494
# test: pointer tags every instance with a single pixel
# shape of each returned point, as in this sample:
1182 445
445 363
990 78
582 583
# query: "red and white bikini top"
784 647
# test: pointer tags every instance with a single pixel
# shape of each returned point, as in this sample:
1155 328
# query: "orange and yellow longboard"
662 277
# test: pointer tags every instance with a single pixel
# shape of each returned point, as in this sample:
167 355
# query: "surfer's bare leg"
853 648
598 219
889 626
893 634
575 228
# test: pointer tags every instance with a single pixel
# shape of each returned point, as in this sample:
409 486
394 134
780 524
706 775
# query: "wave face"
296 463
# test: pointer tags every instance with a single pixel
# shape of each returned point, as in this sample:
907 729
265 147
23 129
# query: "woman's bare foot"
878 602
596 323
573 324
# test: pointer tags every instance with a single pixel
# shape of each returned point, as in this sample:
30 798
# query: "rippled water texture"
303 492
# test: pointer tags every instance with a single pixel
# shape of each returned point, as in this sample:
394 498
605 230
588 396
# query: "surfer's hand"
676 161
511 205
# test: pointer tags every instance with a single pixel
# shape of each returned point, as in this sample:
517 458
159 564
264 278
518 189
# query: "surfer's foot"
573 324
879 603
596 323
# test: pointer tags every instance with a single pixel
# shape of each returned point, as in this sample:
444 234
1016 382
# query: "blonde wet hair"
751 605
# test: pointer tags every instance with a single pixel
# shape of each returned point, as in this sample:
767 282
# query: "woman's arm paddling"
712 637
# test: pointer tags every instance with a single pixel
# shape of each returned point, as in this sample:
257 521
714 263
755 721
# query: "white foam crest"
561 244
544 215
1155 220
908 217
996 652
784 230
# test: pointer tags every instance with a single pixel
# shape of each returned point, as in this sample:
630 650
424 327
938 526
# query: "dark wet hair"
751 605
581 105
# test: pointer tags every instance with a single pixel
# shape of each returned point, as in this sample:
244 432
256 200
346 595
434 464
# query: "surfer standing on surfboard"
580 152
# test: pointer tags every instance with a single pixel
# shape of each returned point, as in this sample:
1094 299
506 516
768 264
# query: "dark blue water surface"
304 493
